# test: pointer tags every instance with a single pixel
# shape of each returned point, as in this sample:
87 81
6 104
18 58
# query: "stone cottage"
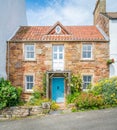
56 51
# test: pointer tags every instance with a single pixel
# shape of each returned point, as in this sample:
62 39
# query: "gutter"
87 40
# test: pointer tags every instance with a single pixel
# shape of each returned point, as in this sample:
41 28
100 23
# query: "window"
86 81
58 57
58 29
29 82
29 52
87 52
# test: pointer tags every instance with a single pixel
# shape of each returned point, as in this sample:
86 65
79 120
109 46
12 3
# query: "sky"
68 12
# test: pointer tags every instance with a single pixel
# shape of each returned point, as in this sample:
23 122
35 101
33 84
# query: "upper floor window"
29 82
87 51
58 57
87 79
29 51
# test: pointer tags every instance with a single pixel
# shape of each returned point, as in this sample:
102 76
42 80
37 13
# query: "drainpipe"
8 56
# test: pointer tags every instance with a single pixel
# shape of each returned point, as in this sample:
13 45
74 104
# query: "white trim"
91 58
25 86
24 55
103 33
58 60
89 74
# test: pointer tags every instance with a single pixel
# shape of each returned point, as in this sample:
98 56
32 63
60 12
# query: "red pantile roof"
43 33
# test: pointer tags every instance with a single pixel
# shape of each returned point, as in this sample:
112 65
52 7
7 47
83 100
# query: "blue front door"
58 89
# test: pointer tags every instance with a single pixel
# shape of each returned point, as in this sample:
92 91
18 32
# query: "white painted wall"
12 15
113 46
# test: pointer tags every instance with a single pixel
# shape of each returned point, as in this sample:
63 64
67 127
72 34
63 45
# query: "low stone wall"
22 111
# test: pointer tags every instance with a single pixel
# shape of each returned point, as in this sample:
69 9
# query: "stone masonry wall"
103 23
99 19
18 67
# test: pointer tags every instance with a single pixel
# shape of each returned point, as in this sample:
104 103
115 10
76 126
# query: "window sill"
87 60
28 60
28 91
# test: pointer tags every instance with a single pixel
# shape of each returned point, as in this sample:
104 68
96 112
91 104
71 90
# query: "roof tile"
39 33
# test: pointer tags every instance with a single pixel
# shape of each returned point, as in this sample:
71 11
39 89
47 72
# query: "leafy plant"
54 106
89 101
76 83
110 61
9 95
71 97
108 89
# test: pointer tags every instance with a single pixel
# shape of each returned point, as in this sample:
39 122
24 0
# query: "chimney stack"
99 8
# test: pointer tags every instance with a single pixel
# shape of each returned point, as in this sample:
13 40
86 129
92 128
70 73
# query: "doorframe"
50 74
63 86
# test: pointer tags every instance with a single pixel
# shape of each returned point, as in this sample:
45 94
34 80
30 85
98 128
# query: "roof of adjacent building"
110 15
48 33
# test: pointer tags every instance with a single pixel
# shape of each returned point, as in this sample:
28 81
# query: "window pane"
84 55
31 48
31 85
55 48
84 47
88 54
60 48
84 78
60 56
28 85
27 78
89 47
27 48
32 55
31 78
55 56
86 81
89 78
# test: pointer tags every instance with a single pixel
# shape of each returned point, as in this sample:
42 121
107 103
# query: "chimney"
99 8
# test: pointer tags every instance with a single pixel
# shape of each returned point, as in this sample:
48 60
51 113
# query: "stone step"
62 106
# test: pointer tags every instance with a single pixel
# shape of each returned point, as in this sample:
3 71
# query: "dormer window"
58 29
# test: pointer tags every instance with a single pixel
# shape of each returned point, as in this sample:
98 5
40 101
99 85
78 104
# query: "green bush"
71 97
76 83
108 89
9 95
54 106
88 101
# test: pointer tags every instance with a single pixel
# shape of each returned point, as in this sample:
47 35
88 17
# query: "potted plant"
110 61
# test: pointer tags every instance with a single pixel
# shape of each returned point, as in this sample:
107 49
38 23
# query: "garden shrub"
54 106
76 83
71 97
89 101
108 89
9 95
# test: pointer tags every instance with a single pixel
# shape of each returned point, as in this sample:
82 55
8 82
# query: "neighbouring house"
107 21
12 15
56 51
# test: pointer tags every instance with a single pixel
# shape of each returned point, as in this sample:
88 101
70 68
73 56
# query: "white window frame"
29 90
55 61
87 82
25 52
91 51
